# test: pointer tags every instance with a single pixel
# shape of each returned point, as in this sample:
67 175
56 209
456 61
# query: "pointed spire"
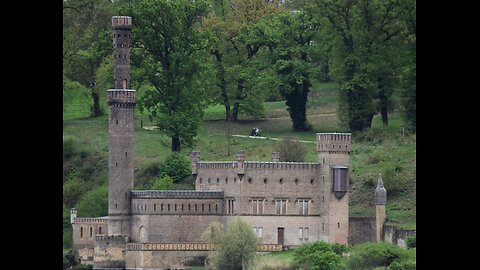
380 192
380 181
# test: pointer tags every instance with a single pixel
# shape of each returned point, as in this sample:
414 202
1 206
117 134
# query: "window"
303 205
303 234
258 231
81 232
91 231
230 206
281 206
100 230
154 207
257 206
161 207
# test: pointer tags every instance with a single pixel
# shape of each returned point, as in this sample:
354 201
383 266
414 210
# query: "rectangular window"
281 206
303 206
230 206
258 231
257 206
303 234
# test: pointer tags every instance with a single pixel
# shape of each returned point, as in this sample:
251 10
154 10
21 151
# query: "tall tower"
380 213
121 102
333 151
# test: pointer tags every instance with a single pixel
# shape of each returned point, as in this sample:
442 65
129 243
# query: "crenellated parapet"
282 165
100 220
111 239
121 98
121 22
334 142
216 165
177 194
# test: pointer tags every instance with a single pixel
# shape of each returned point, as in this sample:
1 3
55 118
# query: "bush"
291 150
371 255
163 183
177 166
73 189
411 241
68 148
319 255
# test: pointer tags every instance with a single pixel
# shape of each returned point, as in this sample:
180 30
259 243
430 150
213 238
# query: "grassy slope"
384 151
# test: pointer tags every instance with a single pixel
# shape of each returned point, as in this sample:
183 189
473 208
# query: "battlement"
171 246
121 97
334 142
122 22
101 220
216 164
111 239
192 246
177 194
281 165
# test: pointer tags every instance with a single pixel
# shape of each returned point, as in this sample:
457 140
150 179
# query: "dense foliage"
237 245
319 255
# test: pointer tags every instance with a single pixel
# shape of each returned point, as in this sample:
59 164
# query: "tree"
167 34
364 56
409 72
239 73
293 53
86 42
176 166
236 246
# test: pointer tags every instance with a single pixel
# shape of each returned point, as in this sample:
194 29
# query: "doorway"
280 236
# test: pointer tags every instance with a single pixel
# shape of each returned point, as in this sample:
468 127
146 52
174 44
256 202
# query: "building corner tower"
121 102
380 212
333 150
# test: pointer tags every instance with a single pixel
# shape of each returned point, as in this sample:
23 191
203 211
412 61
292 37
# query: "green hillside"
385 150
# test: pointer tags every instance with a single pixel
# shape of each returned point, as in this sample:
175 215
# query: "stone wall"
85 229
163 259
361 230
397 236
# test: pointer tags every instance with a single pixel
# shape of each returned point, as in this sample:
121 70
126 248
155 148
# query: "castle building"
286 203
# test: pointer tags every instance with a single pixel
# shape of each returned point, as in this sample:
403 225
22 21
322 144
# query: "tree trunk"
96 109
234 115
383 98
296 102
236 105
176 144
222 84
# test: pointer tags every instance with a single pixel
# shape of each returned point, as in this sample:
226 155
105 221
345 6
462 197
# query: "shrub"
319 255
68 148
372 255
163 183
177 166
291 150
73 189
94 203
411 241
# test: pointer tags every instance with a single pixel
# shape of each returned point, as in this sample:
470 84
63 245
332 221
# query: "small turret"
240 163
380 192
195 155
73 215
275 156
380 212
